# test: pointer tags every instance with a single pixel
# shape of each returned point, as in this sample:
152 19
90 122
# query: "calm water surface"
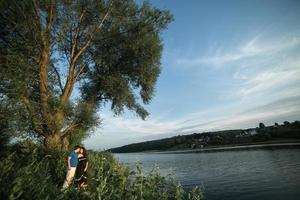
259 174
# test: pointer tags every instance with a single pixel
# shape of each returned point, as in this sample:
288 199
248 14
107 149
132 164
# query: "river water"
258 174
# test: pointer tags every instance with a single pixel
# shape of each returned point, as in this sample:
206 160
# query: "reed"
32 173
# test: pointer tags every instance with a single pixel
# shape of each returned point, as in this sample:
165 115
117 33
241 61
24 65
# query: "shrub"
33 173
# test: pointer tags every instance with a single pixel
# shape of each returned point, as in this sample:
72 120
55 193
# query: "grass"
30 172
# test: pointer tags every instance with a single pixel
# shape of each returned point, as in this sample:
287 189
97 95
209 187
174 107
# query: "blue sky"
225 65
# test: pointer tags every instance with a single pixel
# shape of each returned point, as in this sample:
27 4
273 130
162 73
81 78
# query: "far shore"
259 145
236 147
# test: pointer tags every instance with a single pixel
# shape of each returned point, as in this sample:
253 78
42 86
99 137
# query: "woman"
81 170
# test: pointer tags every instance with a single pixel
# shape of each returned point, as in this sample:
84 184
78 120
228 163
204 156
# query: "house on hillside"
252 132
246 133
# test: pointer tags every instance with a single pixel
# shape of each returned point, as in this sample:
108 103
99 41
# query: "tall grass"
33 173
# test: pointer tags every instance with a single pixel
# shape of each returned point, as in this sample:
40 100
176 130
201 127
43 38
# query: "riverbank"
260 145
29 171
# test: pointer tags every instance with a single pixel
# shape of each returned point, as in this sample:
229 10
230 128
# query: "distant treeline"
261 133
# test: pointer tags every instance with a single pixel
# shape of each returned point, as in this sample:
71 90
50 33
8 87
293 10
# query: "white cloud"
253 48
268 90
269 81
121 130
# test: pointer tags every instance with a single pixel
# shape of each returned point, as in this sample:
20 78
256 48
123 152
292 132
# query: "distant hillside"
262 133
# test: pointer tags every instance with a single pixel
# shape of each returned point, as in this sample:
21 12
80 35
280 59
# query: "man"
72 164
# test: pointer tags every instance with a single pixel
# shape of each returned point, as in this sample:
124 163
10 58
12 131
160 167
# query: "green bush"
29 172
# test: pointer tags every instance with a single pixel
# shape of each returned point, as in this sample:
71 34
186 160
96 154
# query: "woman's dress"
81 175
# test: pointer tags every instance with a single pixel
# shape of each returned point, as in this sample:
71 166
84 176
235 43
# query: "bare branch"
50 17
66 55
39 20
74 45
58 77
79 73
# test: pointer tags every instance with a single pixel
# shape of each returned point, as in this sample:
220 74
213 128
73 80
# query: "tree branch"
43 68
77 33
88 42
39 21
69 130
50 17
79 73
70 80
58 78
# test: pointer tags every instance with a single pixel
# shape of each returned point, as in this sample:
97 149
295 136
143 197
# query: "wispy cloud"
122 130
252 48
267 89
269 81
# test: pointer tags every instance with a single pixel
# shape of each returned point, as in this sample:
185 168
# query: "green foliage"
108 51
261 125
196 194
13 120
85 115
126 56
30 172
115 181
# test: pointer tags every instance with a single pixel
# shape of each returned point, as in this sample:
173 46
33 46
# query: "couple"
77 166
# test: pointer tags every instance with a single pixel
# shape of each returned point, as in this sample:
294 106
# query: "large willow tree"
61 60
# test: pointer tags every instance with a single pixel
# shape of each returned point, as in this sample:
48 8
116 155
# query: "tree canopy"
61 60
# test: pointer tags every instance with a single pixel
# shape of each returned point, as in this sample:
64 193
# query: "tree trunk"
59 118
53 141
65 144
